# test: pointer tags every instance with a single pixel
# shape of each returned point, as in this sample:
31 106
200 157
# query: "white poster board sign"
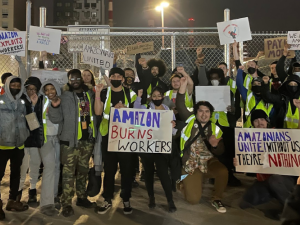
44 39
96 56
45 75
293 39
268 151
234 30
140 130
218 96
12 43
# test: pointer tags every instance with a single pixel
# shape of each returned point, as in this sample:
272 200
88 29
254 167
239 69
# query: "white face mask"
215 82
297 73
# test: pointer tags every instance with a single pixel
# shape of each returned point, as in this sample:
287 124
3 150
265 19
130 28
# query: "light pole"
161 9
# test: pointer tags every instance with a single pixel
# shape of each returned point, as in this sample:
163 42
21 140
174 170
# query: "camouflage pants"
75 159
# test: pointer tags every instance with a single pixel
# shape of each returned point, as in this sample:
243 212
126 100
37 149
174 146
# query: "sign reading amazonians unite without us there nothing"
140 130
12 43
268 151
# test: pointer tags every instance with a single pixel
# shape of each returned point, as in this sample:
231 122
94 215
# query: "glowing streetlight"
161 9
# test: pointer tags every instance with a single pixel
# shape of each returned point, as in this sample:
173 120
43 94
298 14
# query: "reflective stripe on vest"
79 135
46 103
232 84
91 115
186 132
291 121
247 82
188 103
149 90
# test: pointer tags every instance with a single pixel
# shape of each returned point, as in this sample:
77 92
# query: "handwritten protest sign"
46 75
234 30
218 96
293 39
44 39
98 57
274 48
140 48
12 43
268 151
140 130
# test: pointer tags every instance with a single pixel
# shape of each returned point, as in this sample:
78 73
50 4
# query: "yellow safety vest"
291 121
186 132
149 90
221 117
250 104
248 82
232 84
188 103
107 106
46 103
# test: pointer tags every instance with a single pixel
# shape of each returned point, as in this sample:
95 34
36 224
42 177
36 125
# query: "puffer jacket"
13 126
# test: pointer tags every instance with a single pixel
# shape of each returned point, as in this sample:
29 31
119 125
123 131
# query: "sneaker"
67 211
104 207
151 204
219 206
17 206
84 202
135 184
49 210
172 207
127 208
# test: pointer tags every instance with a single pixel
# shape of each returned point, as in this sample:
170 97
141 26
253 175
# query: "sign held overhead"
97 57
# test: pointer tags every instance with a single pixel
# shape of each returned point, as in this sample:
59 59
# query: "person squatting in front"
116 96
200 144
74 112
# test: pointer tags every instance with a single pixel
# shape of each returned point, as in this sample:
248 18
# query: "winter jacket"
66 115
13 126
280 68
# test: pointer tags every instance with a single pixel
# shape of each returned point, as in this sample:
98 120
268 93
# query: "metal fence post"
75 57
173 51
227 46
28 23
241 50
43 23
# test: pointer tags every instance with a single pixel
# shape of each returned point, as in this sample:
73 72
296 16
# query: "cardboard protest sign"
140 130
234 30
268 151
218 96
12 43
44 39
96 56
45 75
293 39
274 48
140 48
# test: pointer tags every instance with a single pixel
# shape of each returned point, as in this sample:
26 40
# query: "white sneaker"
219 206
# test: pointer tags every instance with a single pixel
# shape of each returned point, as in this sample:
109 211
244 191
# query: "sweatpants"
75 159
192 184
111 160
161 164
15 156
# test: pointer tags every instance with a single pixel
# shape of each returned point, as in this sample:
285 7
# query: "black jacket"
280 68
36 138
291 211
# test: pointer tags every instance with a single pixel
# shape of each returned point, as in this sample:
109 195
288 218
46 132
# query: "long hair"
93 78
158 63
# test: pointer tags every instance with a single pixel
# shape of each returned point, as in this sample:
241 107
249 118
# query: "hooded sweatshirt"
13 126
52 129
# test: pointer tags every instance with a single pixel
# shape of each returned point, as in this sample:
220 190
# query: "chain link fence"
179 49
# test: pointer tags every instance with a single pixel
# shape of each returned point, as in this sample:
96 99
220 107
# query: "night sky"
264 15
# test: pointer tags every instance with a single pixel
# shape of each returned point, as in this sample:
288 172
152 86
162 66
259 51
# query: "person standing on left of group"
3 79
74 112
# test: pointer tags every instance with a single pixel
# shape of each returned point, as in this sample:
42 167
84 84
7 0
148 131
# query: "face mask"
14 91
116 83
214 82
158 102
297 73
292 89
256 89
251 70
128 80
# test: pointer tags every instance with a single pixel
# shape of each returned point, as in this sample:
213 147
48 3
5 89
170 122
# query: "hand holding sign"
120 105
286 49
143 62
173 123
199 50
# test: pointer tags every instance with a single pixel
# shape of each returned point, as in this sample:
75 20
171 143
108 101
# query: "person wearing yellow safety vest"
178 73
287 113
49 153
119 97
14 133
74 112
200 144
254 99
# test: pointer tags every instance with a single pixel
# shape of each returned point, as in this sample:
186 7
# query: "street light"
161 9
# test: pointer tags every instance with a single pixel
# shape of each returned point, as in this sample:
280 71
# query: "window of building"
4 2
4 11
87 14
93 5
4 24
68 4
67 14
87 5
94 14
78 5
59 4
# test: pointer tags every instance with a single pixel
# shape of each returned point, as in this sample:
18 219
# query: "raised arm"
240 84
98 107
190 83
22 70
180 101
138 102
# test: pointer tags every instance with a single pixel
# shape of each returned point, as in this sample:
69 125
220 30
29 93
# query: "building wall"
88 12
7 14
20 14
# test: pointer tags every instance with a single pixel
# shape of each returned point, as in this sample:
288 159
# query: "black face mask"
116 83
256 89
128 81
158 102
292 89
251 70
14 91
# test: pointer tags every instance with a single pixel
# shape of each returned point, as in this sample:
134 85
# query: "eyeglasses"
73 79
32 89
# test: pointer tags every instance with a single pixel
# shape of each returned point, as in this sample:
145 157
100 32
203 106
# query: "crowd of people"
74 126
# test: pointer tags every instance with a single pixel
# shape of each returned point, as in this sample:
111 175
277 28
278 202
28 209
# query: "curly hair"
217 71
158 63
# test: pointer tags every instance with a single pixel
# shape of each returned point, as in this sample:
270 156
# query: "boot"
151 204
32 200
2 214
172 207
16 206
